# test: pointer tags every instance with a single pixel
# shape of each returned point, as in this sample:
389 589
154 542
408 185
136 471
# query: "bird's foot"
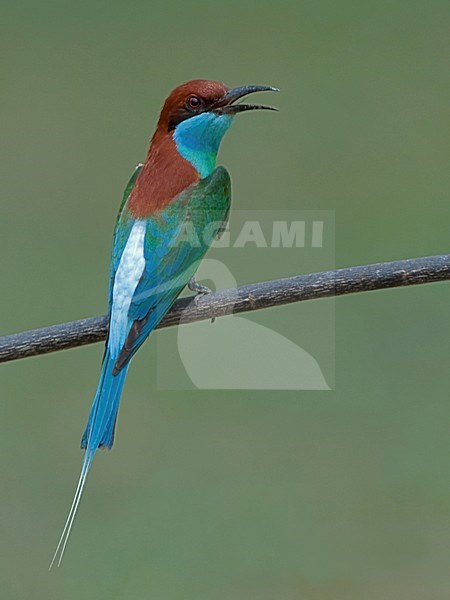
199 290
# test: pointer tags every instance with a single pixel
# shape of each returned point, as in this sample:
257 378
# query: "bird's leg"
198 288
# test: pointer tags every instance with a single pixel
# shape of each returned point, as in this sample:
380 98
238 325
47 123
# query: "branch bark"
414 271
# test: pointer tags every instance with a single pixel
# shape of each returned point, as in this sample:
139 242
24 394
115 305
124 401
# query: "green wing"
176 240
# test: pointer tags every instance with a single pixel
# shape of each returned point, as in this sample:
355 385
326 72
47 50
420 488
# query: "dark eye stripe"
178 117
192 106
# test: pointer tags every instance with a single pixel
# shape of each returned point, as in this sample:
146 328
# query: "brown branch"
350 280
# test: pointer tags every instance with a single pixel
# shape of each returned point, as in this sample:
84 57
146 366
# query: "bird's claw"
198 288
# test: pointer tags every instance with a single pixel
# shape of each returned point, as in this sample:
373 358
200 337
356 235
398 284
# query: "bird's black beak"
226 105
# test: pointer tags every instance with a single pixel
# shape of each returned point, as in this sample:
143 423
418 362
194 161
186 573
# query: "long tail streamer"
99 433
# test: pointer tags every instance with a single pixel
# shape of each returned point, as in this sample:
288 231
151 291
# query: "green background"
219 495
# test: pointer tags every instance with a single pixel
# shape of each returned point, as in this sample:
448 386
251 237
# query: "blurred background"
341 494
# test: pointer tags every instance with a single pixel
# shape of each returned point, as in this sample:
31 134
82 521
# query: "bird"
177 190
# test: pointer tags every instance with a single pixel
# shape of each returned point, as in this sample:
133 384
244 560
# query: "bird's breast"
164 176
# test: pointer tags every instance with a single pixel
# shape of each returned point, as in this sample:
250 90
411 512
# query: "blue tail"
99 433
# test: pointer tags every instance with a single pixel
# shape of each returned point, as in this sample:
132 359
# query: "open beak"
226 105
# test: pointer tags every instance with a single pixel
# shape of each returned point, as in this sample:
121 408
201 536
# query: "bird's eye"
194 103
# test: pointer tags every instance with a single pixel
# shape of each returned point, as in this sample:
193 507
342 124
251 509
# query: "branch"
350 280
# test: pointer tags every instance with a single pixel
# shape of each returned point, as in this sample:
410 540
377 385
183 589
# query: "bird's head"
197 115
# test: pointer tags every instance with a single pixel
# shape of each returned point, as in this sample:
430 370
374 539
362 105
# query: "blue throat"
198 140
